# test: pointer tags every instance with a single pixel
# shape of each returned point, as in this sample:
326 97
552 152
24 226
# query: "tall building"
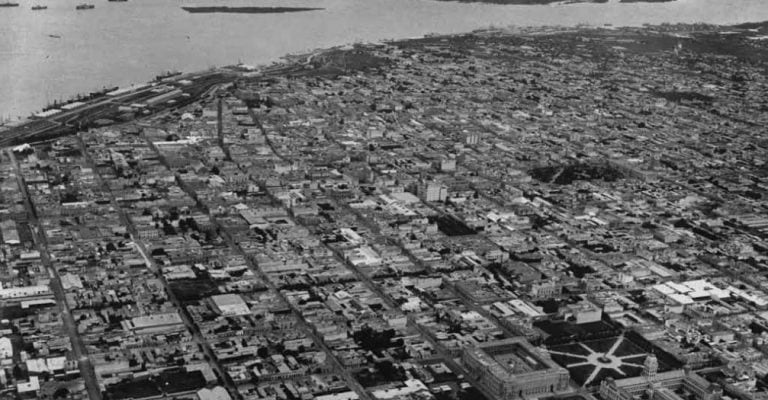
513 368
650 367
431 191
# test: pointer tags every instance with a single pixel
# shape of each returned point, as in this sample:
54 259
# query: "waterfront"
122 43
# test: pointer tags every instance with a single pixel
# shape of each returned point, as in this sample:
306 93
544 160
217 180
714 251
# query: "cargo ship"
84 6
167 74
39 7
9 4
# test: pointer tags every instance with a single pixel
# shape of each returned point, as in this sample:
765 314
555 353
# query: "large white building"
230 304
6 348
9 232
23 292
513 369
154 323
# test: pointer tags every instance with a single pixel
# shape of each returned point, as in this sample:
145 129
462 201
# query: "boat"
39 7
9 4
84 6
54 36
167 74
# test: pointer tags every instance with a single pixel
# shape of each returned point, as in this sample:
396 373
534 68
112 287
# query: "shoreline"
554 2
288 61
27 94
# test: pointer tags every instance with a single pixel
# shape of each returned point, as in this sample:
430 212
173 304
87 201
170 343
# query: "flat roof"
227 299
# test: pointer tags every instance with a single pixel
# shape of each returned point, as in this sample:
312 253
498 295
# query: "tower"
650 367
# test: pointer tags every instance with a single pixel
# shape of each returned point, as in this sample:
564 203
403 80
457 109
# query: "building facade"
513 368
659 385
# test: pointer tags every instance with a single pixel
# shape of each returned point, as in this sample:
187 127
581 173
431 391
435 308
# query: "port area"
116 106
170 92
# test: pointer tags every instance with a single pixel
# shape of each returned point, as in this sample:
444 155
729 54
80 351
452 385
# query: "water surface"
122 43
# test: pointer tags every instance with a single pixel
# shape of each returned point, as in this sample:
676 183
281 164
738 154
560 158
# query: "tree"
61 393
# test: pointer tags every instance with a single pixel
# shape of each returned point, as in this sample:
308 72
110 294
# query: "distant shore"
27 92
247 10
644 1
528 2
546 2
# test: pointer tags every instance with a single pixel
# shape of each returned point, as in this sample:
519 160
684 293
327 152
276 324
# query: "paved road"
188 322
442 352
78 347
338 367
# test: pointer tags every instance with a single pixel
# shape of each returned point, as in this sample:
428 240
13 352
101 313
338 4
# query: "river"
129 42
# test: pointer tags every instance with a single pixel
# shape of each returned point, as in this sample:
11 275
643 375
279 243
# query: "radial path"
600 361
